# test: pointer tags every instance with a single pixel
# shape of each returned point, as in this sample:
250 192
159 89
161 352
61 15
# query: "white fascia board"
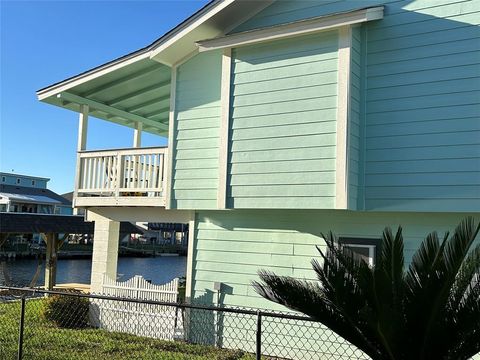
145 53
292 29
192 26
89 75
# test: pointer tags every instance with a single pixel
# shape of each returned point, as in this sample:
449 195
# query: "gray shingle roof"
24 190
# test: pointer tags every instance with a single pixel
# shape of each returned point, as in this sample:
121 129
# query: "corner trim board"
171 137
190 253
343 109
224 129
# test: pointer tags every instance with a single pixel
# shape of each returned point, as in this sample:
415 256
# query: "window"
18 180
33 182
3 179
366 249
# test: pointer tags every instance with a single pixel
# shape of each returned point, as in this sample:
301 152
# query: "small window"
3 179
366 249
18 180
33 182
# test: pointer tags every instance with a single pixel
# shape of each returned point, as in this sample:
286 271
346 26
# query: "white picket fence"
160 322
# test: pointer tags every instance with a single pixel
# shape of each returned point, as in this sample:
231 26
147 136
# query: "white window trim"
295 28
371 251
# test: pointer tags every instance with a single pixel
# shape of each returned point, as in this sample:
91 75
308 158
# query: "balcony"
121 177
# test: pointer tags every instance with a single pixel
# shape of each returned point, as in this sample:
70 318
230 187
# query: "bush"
66 311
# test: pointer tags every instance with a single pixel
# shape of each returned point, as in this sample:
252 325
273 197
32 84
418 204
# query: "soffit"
138 92
115 93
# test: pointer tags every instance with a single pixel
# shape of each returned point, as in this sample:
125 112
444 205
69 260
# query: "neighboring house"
29 194
167 233
285 119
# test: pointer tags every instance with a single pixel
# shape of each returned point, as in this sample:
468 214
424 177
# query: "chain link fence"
37 324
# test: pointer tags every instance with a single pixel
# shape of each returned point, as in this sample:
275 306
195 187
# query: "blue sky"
43 42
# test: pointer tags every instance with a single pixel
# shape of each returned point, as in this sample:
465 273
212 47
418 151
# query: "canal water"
159 270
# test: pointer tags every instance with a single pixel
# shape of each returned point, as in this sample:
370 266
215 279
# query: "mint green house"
285 119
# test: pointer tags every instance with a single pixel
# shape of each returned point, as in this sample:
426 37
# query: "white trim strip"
296 28
190 254
171 137
343 106
224 129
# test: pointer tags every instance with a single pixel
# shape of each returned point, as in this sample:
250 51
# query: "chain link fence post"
20 331
259 336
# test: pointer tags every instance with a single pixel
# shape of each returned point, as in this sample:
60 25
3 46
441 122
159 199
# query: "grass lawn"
42 340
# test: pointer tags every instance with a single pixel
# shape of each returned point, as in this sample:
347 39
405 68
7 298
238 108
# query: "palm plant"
429 311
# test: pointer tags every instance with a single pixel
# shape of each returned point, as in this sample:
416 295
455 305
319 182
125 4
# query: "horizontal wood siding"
195 177
423 108
283 124
421 100
231 246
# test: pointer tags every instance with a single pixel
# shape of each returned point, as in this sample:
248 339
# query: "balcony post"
81 145
82 128
137 135
120 175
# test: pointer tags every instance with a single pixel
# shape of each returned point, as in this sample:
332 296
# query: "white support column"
171 138
82 128
343 109
190 252
137 135
224 129
105 250
81 145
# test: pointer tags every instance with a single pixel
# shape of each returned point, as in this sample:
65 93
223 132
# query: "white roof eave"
174 45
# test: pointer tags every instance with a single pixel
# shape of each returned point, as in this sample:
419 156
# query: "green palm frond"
430 311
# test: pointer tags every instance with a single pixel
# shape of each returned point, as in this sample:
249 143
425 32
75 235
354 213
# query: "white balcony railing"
121 177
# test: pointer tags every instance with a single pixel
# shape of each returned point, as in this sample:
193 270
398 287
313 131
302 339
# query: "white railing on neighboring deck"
122 173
